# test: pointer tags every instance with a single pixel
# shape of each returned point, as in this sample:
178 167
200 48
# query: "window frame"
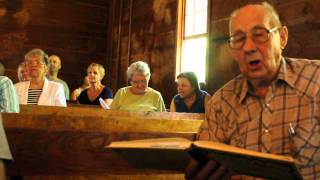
181 36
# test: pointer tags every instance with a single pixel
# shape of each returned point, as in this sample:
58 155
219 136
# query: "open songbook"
174 154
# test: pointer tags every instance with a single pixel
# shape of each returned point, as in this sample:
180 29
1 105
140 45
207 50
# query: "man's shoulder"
4 79
5 82
307 75
62 82
230 91
57 80
300 68
299 63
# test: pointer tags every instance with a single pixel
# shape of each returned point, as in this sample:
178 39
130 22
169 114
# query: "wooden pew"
57 141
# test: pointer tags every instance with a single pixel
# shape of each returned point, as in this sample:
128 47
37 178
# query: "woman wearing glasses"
138 96
38 90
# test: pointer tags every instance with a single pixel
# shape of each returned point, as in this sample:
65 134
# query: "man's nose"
249 45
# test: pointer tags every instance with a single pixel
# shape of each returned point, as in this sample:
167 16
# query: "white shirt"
52 93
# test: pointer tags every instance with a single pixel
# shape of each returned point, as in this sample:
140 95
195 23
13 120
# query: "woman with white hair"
138 96
39 90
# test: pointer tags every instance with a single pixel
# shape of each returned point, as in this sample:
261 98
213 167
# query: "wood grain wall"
144 30
75 30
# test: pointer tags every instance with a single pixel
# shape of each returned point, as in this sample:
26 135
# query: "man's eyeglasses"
258 35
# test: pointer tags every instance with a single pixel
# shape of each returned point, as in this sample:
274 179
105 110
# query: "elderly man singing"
272 106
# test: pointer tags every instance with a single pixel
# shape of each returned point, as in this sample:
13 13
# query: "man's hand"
210 170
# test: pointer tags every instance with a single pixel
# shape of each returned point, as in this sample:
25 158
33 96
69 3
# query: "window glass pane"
200 23
189 22
199 6
195 17
205 5
189 7
194 57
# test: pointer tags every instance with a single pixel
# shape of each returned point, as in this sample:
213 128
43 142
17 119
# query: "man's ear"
284 36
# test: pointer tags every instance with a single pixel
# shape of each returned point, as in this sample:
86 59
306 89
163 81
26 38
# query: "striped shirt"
237 117
33 96
8 97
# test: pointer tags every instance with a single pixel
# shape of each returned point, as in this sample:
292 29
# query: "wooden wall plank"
76 30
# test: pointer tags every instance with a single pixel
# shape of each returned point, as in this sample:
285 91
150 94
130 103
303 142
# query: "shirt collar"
285 74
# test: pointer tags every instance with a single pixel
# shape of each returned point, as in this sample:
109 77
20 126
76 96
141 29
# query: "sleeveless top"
198 105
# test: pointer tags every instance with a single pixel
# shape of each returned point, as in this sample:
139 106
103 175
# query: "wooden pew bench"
57 141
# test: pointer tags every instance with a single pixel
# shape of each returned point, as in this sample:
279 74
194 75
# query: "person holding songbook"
272 106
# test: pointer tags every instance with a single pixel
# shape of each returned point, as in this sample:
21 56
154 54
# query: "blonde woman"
95 73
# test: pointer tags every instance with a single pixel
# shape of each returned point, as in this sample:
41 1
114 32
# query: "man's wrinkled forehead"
249 17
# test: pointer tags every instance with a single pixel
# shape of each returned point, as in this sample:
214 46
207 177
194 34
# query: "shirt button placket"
266 128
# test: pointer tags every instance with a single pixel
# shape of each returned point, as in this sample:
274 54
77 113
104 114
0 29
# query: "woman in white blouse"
39 90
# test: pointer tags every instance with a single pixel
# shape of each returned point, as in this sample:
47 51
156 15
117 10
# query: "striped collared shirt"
237 117
33 96
8 97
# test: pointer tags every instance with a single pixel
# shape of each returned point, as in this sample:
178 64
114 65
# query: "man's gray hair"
38 53
273 13
138 67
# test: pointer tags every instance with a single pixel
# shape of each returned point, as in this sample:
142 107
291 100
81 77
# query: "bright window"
192 37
